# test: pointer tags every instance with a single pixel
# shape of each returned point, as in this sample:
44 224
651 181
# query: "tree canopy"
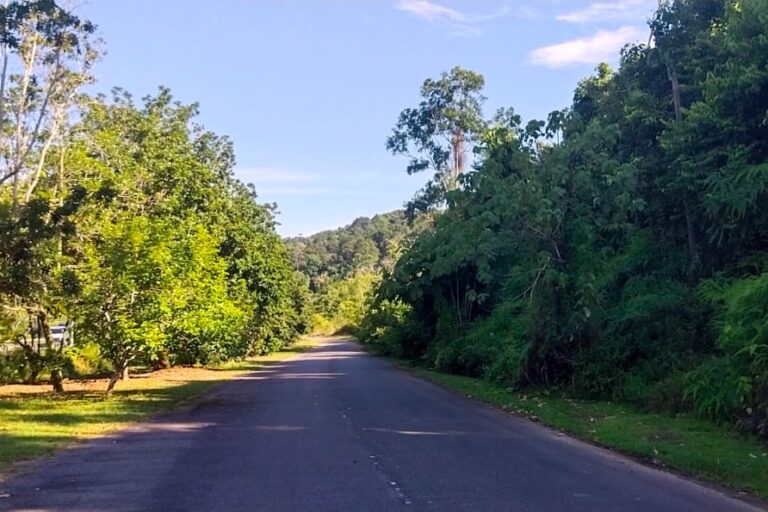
617 249
124 220
438 134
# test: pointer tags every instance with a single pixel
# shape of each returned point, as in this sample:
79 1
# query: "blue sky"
310 89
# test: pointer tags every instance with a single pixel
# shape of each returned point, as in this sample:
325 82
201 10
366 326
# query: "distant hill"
366 245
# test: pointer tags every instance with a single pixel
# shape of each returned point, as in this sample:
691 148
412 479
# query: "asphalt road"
337 430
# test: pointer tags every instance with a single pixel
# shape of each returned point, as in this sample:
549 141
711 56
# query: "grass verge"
34 421
684 443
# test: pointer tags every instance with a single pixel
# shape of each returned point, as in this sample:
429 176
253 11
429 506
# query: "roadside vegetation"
681 442
613 255
605 269
122 223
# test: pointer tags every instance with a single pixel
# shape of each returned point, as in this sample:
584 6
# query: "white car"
61 333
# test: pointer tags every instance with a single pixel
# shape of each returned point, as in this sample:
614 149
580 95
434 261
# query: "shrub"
86 360
735 385
13 367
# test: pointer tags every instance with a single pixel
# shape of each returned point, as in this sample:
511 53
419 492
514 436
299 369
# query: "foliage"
125 219
47 56
437 134
339 266
616 250
175 257
365 245
735 384
14 367
342 308
86 360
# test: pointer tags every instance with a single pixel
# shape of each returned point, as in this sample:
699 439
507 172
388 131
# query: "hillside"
366 245
342 266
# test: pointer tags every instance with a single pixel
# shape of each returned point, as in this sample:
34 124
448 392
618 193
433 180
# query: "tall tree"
174 255
438 134
629 259
683 43
46 56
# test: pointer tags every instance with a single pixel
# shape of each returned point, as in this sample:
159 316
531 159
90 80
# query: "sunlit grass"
36 422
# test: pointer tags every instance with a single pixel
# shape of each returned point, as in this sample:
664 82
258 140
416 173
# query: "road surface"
335 429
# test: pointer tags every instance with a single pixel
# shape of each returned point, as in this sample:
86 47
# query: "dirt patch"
76 386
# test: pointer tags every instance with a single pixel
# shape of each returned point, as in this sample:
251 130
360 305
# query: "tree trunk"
677 101
32 377
458 158
111 386
57 380
3 83
19 155
121 372
693 250
676 97
52 356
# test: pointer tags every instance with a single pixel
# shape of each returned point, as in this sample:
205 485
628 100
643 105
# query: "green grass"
684 443
34 425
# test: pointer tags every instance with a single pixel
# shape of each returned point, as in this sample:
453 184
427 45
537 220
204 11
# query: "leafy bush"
735 385
391 328
491 348
85 360
14 367
669 394
322 325
341 306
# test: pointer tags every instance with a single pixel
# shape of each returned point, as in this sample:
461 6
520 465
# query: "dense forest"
122 221
617 249
366 245
341 266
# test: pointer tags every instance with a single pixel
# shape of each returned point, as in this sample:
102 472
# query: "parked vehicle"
62 333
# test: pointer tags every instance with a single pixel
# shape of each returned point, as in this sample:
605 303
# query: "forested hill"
365 245
341 266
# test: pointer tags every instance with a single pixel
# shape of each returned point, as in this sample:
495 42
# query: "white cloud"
618 10
464 24
600 47
431 11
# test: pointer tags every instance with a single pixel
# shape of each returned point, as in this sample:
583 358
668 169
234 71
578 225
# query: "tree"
617 250
46 55
34 283
173 254
680 30
438 134
127 277
338 265
153 284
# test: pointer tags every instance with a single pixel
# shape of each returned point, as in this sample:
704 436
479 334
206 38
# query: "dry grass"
170 376
34 421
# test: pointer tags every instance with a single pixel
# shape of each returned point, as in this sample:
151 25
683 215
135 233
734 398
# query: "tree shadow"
220 431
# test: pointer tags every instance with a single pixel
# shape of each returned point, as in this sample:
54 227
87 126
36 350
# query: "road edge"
422 374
